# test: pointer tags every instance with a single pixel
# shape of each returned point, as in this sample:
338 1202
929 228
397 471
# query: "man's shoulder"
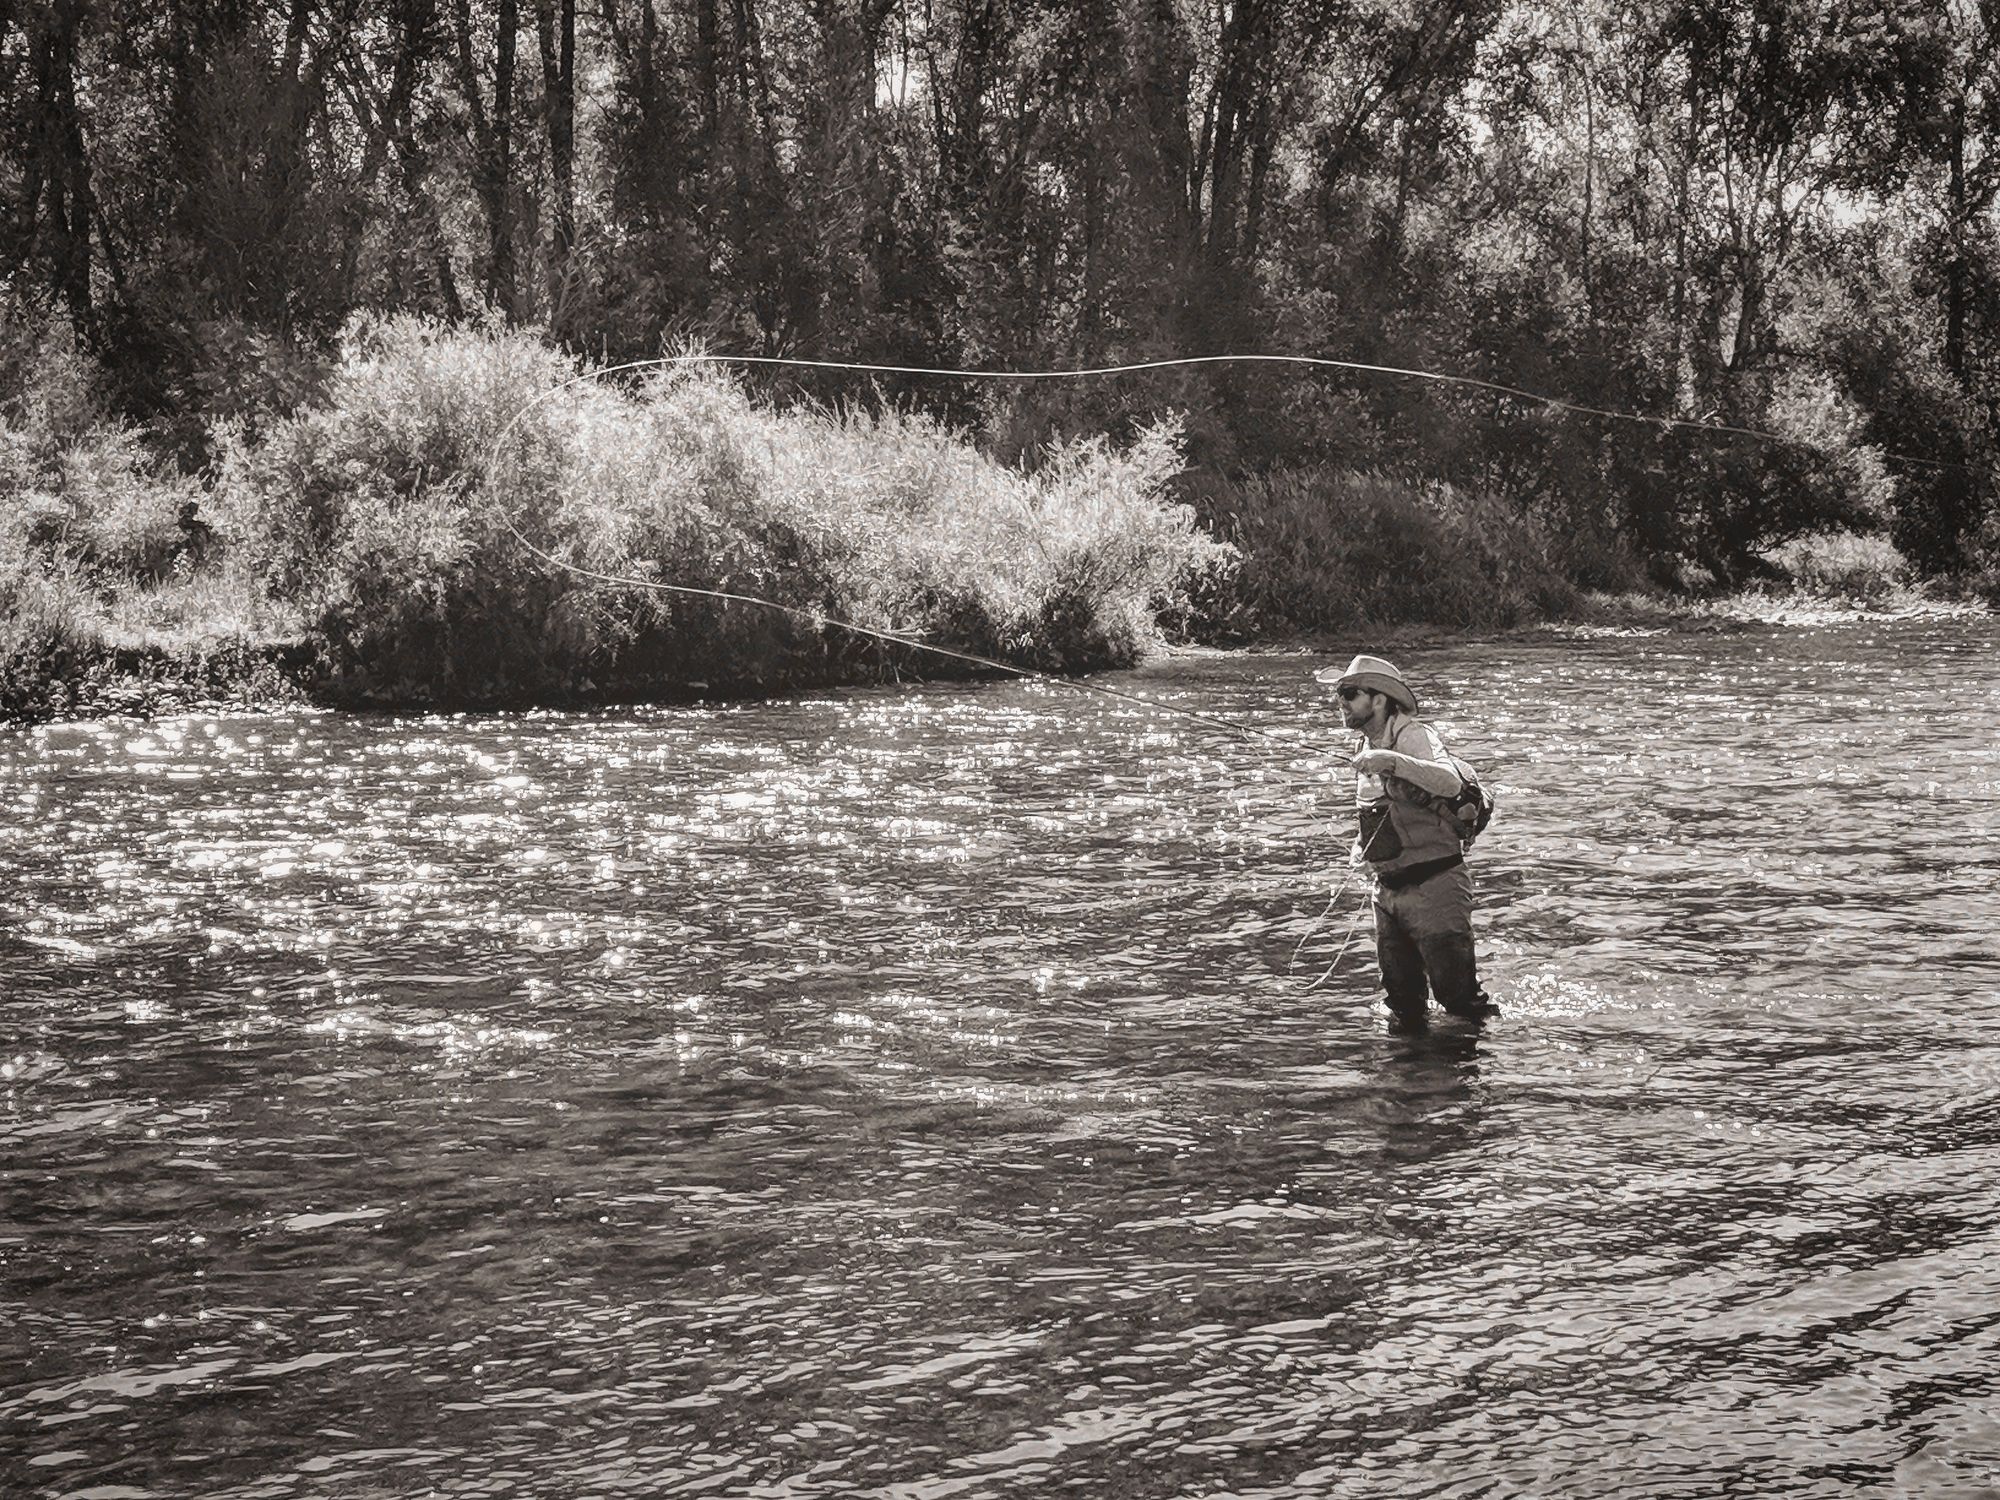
1411 733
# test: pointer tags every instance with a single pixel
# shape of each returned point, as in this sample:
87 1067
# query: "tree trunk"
555 27
1586 228
1235 85
1682 384
56 176
500 189
1261 156
708 76
754 75
397 129
1957 282
493 145
649 35
1746 342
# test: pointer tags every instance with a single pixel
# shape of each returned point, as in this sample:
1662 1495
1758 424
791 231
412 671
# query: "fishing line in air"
1313 361
822 620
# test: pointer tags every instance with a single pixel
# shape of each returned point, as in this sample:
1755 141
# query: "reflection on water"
913 1094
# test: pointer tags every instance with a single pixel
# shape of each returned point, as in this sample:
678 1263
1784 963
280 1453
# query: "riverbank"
236 676
156 681
456 520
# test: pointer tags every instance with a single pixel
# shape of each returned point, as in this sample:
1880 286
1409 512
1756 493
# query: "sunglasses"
1349 694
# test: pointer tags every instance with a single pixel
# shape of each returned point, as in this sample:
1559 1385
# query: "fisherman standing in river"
1414 843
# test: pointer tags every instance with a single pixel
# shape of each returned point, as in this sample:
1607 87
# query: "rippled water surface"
915 1093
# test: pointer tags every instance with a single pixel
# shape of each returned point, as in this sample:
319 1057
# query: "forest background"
276 270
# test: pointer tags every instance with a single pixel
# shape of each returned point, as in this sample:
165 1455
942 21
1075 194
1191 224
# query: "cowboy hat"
1374 674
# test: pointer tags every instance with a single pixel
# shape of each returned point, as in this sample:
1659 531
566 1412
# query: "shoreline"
1619 617
240 677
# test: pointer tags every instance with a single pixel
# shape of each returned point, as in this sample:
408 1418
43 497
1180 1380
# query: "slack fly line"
1315 361
1310 361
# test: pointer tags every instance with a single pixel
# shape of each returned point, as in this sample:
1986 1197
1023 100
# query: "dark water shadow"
1430 1102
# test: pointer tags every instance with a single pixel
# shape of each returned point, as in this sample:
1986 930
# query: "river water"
962 1091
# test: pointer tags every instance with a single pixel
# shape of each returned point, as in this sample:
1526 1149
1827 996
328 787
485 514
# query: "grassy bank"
365 547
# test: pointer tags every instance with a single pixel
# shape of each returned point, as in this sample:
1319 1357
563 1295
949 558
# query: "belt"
1409 875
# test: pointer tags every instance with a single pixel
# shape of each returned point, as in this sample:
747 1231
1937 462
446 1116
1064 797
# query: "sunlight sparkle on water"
739 1093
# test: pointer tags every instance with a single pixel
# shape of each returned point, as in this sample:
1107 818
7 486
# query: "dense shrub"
393 515
103 561
75 482
44 636
1937 435
1843 565
1326 549
1983 566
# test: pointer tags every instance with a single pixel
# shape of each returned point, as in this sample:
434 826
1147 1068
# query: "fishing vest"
1401 828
